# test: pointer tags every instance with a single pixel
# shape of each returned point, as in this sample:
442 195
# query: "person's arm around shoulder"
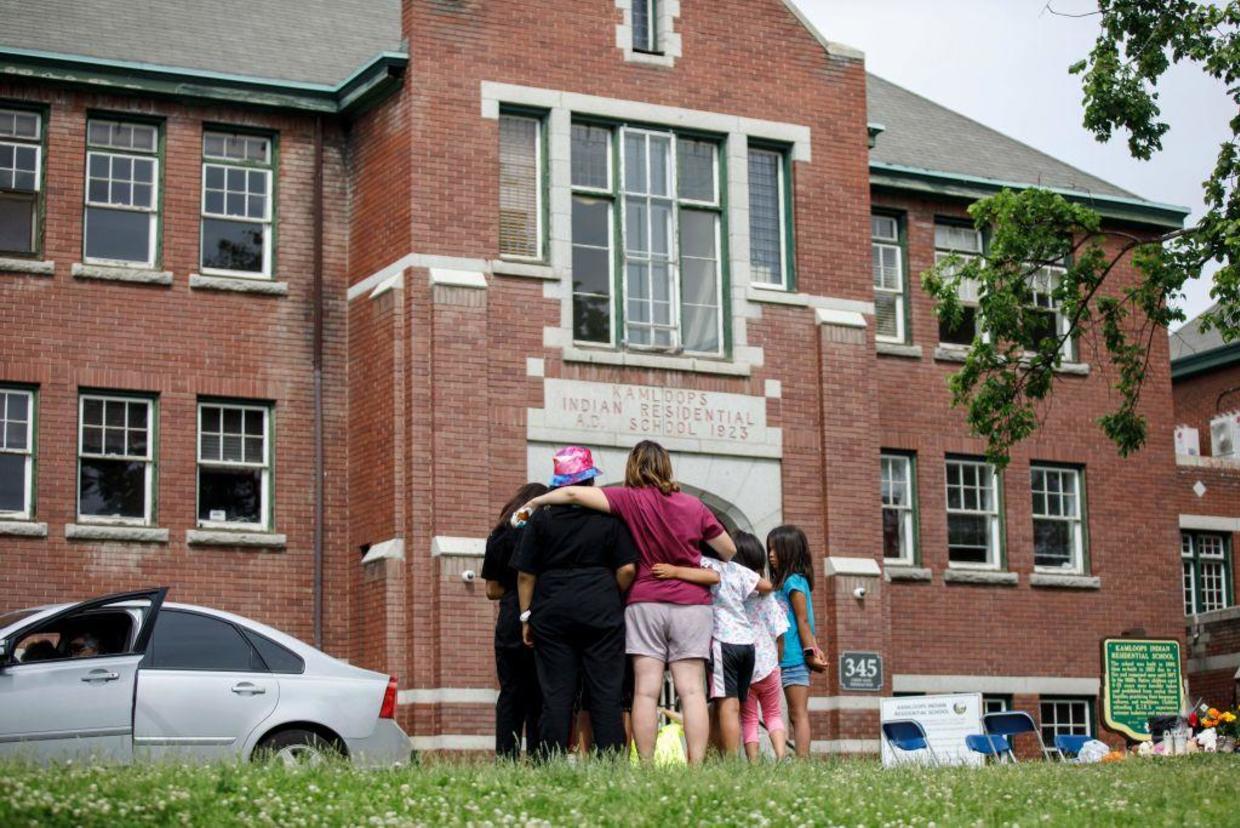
764 587
689 574
586 496
715 536
528 563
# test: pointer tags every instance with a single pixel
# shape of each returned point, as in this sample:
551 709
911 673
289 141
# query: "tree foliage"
1011 368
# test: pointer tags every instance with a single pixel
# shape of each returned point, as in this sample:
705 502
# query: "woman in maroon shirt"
667 622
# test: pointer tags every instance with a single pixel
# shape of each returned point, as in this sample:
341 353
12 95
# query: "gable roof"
303 41
1194 351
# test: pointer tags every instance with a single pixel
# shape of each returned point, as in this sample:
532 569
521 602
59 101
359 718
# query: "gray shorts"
668 632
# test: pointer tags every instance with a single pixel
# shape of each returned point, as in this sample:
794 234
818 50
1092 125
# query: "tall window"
1050 321
237 204
1066 717
520 187
768 227
645 25
670 281
234 465
972 513
888 258
115 459
16 452
122 192
898 491
965 243
21 154
1206 560
1058 531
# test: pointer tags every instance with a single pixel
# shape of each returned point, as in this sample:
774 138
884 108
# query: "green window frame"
235 447
1205 558
18 451
974 499
23 172
772 243
123 192
118 436
889 253
238 206
523 214
901 530
649 229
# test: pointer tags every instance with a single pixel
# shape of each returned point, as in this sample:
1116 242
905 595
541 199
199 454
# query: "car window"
279 659
189 641
92 632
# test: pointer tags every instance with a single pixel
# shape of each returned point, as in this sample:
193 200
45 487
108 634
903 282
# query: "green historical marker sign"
1140 678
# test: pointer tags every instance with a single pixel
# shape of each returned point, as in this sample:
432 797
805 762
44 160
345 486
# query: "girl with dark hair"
792 571
668 622
520 701
770 623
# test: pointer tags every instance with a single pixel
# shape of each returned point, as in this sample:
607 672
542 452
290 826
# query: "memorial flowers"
1224 721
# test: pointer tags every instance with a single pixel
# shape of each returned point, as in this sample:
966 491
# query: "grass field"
1194 790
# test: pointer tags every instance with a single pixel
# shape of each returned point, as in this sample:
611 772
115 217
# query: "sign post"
1140 678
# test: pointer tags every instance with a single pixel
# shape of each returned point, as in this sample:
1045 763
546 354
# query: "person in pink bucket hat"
574 566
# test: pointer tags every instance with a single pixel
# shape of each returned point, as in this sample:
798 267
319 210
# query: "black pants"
519 704
595 658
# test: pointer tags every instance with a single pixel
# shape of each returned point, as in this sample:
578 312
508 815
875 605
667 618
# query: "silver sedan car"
128 677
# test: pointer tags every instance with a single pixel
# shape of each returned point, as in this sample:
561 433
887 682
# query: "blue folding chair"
1012 723
1068 745
993 747
908 736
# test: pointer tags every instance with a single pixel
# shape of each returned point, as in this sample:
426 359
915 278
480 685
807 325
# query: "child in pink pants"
769 623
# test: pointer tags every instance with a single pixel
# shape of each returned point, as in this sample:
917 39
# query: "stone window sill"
528 270
230 537
630 359
958 353
23 529
1064 581
104 532
29 267
238 284
111 273
902 572
898 350
980 576
776 295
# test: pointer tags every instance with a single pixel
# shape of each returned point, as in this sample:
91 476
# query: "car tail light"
388 709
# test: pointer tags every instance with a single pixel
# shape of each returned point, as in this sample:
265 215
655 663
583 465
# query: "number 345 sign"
861 671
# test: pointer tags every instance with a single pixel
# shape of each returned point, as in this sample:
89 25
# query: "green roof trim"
960 185
369 83
1192 364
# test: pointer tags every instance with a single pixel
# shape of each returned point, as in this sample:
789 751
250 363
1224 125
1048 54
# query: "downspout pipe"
318 382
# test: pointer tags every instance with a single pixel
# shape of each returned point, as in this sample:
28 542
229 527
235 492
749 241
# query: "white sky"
1005 62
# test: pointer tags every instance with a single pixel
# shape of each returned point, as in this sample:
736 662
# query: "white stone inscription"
683 419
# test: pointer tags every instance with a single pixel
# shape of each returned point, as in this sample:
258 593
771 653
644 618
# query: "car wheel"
296 748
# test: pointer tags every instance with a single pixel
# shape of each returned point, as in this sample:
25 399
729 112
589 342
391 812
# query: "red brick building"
1205 377
293 299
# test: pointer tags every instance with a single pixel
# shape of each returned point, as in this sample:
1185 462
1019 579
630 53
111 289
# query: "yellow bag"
669 746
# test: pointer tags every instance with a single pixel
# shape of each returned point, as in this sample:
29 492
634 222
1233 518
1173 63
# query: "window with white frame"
1050 322
888 263
768 221
237 204
964 243
996 704
234 465
1058 528
122 193
1206 561
645 25
666 240
115 459
16 453
520 187
1065 717
898 492
972 513
21 178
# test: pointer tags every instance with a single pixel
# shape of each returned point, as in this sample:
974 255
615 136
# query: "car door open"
67 681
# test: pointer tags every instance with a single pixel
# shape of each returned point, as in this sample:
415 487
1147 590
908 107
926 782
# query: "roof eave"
378 77
971 188
1200 363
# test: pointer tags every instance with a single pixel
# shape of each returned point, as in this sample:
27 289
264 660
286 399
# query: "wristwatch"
525 617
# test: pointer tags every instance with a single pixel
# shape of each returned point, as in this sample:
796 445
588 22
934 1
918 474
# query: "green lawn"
1194 790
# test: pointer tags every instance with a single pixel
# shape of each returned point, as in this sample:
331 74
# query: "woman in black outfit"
520 701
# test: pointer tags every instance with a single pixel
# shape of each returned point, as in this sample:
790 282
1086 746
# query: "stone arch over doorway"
729 514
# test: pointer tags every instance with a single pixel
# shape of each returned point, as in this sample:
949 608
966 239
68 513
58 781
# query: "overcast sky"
1005 62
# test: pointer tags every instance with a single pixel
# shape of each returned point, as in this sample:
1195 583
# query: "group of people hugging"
602 590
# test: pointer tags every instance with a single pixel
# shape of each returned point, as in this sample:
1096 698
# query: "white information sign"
682 419
947 719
